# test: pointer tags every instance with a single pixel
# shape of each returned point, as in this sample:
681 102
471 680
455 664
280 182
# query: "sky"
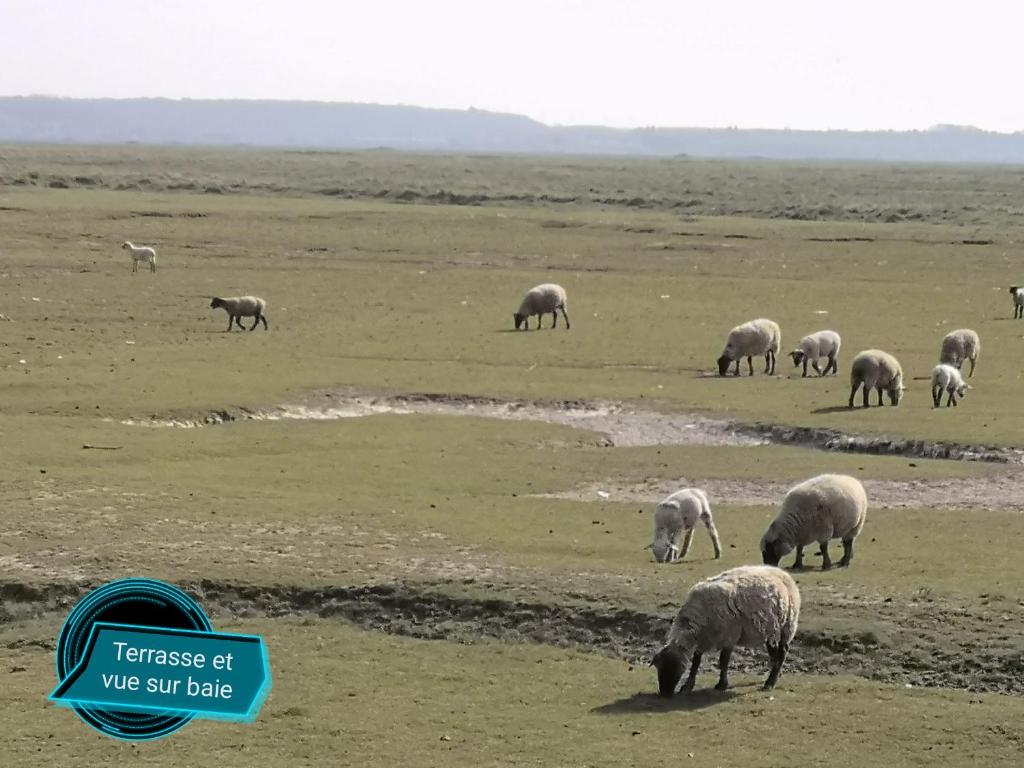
801 64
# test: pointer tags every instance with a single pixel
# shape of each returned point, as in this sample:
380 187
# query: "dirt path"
621 424
1003 491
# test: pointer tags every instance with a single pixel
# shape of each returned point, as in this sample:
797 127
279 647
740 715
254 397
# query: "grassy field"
455 513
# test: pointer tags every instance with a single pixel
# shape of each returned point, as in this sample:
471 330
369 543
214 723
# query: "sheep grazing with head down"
1017 293
818 510
878 370
678 513
753 339
947 378
752 606
960 345
816 346
238 307
143 253
539 301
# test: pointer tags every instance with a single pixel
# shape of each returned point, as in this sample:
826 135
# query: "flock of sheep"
751 605
759 605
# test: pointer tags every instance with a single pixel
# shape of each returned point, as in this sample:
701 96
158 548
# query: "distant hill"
322 125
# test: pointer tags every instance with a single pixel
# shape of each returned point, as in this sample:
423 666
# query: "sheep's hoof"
767 687
721 686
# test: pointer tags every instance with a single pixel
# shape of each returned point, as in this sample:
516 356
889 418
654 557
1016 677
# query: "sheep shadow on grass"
652 702
837 408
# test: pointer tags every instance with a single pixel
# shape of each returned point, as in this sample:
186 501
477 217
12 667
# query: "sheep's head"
797 355
215 303
896 390
669 663
773 549
520 321
961 391
126 245
664 551
1014 289
723 364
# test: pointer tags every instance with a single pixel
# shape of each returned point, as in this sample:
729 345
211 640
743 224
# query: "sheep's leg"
750 364
566 317
936 395
723 669
263 318
805 368
777 654
152 266
879 390
816 367
691 679
231 320
826 561
952 397
767 362
867 393
713 533
969 375
238 322
853 392
847 553
687 539
798 564
833 366
737 371
255 322
554 319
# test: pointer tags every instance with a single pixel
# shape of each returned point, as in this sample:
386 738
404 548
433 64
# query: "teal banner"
156 670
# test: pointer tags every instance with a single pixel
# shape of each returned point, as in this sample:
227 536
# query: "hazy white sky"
750 63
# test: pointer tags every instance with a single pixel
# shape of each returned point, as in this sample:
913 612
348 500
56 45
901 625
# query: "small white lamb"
142 253
947 378
675 514
238 307
1018 301
815 346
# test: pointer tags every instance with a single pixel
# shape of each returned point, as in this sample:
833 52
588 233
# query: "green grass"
397 700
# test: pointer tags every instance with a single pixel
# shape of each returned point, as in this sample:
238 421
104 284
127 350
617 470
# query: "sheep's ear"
649 546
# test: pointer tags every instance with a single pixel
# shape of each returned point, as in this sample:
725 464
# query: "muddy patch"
1004 491
908 643
621 424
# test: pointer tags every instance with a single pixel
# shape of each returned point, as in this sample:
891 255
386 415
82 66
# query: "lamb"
540 300
675 514
1018 301
816 346
758 337
960 345
140 253
947 378
748 606
238 307
877 370
817 510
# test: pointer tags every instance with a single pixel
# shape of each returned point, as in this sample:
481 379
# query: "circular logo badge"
142 602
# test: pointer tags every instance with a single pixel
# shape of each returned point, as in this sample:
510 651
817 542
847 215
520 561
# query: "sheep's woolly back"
822 508
753 339
243 306
542 299
820 344
876 369
960 345
746 606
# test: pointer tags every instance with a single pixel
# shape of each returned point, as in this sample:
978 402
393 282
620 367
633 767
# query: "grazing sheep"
877 370
749 606
947 378
140 253
817 510
677 513
540 300
758 337
816 346
238 307
1018 301
960 345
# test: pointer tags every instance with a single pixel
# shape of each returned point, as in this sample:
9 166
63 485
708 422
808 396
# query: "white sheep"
755 338
675 514
1018 301
540 300
876 370
750 606
960 345
238 307
142 253
816 346
817 510
947 378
